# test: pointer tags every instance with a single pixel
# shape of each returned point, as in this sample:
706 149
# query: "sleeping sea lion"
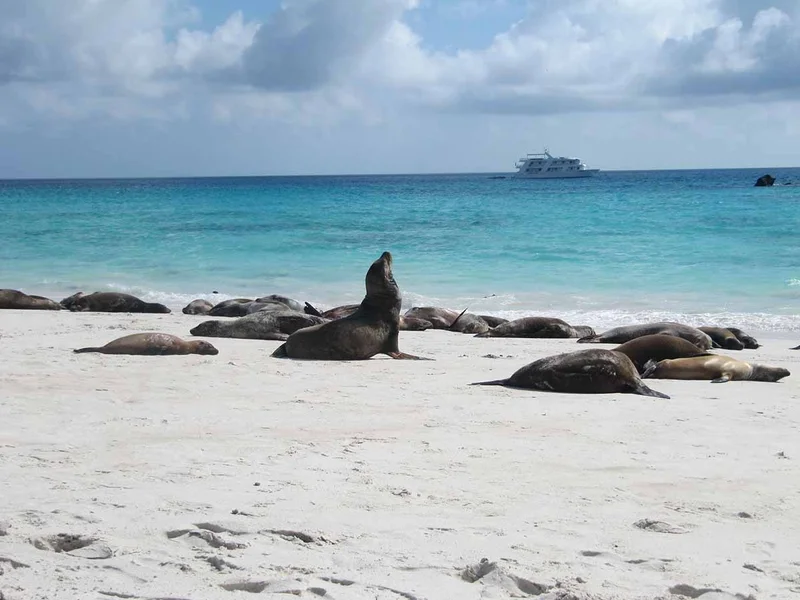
538 327
372 329
14 299
153 344
260 325
493 321
581 372
723 338
112 302
440 318
749 341
658 347
290 303
620 335
198 307
714 367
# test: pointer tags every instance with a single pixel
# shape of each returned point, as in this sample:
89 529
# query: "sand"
205 477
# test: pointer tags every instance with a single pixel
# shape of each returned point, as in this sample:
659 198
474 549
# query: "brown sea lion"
468 323
723 338
657 347
153 344
714 367
260 325
290 303
538 327
112 302
14 299
198 307
749 341
406 323
493 321
440 318
372 329
582 372
620 335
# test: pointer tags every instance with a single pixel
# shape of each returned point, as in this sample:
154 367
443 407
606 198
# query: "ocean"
695 246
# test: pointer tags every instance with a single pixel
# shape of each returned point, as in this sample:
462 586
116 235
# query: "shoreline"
398 474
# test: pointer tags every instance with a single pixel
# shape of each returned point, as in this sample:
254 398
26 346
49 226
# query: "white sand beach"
220 477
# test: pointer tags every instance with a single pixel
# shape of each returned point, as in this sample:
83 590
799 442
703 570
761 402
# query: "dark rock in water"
765 181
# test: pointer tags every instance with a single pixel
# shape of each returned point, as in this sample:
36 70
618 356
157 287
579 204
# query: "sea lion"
112 302
406 323
583 372
290 303
229 308
440 318
469 323
153 344
493 321
620 335
749 342
14 299
372 329
260 325
723 338
242 309
538 327
658 347
198 307
716 367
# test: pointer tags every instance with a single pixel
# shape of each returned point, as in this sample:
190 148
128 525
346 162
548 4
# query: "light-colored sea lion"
723 338
260 325
582 372
657 347
153 344
749 341
372 329
714 367
620 335
414 324
290 303
468 323
538 327
14 299
112 302
440 318
198 307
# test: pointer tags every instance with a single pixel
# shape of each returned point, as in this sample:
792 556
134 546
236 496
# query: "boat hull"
564 175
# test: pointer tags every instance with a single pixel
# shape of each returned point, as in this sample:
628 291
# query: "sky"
138 88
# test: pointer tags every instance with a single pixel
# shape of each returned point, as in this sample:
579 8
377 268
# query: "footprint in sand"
74 545
659 527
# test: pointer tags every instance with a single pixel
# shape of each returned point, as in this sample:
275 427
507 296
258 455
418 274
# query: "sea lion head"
765 373
584 331
203 347
382 289
208 328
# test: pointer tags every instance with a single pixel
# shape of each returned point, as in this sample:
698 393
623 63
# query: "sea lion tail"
643 390
494 382
453 324
311 310
81 350
280 352
649 368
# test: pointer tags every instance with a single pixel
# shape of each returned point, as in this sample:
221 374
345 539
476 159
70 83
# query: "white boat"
545 166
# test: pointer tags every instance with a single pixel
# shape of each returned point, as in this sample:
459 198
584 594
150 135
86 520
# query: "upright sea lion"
198 307
723 338
538 327
657 347
153 344
749 342
620 335
714 367
14 299
290 303
260 325
372 329
581 372
112 302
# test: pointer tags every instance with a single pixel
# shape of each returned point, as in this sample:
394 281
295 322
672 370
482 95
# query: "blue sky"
105 88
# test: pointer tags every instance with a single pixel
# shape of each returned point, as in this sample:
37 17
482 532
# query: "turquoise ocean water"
699 246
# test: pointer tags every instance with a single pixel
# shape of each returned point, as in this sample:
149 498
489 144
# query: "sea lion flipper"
280 352
311 310
649 368
795 348
589 339
81 350
404 356
453 324
493 382
723 379
643 390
